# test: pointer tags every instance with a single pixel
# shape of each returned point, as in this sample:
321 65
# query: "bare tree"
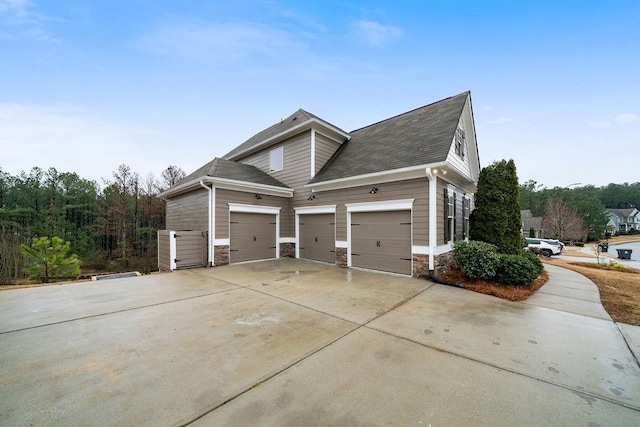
171 176
562 222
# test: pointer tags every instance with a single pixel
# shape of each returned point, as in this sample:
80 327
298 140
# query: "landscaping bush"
517 269
535 261
476 259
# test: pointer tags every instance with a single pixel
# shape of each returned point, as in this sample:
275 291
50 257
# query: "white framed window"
460 143
449 214
276 159
466 209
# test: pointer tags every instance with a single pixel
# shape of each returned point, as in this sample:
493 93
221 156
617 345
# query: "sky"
86 86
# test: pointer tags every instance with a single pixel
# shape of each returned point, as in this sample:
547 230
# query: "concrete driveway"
290 342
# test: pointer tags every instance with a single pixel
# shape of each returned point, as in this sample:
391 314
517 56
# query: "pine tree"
51 259
496 218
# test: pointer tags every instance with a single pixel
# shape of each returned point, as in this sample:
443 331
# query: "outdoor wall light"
258 196
374 190
311 197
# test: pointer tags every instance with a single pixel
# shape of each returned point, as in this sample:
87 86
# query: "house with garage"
392 196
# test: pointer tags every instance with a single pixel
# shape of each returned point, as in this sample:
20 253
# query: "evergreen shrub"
477 260
516 269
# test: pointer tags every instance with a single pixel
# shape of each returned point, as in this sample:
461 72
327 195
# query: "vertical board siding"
224 197
164 250
325 148
189 211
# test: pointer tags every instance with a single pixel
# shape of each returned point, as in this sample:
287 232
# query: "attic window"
460 143
276 159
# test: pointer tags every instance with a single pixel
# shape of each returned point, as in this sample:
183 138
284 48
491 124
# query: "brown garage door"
317 237
381 241
252 236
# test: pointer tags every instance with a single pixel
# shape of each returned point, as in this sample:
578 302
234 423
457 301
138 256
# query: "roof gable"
418 137
297 122
226 169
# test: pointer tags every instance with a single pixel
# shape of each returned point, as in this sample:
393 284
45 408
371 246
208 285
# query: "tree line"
110 226
577 213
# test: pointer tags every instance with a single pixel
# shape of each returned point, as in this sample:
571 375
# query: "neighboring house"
391 196
529 221
624 219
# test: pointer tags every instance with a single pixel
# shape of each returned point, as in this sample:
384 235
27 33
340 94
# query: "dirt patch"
489 287
619 287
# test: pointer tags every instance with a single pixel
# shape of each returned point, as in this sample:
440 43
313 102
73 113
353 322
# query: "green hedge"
480 260
476 259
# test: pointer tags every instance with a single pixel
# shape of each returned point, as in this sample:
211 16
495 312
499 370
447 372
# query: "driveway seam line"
115 312
624 338
607 399
296 362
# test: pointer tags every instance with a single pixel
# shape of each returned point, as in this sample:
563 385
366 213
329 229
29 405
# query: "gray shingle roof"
421 136
220 168
293 120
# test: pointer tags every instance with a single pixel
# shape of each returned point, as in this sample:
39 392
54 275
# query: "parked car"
555 243
546 248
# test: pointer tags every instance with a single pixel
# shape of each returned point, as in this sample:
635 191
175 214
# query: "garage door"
381 241
317 237
252 236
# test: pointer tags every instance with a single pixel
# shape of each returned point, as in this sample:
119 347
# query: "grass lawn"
619 287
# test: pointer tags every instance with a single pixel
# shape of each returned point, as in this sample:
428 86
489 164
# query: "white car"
546 248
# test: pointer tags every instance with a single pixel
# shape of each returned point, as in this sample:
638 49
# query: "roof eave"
333 132
228 184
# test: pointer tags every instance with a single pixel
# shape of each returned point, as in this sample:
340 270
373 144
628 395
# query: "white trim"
279 151
420 250
221 242
443 249
401 174
310 210
287 240
211 210
290 132
386 205
342 244
313 153
382 206
266 210
237 207
433 216
229 184
172 250
315 209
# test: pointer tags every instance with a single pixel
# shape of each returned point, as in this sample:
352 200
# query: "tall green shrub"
496 218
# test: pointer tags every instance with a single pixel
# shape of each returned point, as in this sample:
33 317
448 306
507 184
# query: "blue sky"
88 85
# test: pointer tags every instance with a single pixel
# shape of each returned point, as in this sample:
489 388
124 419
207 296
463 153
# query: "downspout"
210 224
433 228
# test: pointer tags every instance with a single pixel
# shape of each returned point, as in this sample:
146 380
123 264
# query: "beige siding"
164 250
224 197
325 148
417 189
189 211
297 161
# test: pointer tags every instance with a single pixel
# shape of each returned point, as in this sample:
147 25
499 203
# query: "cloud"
501 121
25 22
218 42
627 118
373 33
72 139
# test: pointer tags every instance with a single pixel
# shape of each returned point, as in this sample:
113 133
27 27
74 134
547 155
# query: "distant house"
624 219
392 196
531 222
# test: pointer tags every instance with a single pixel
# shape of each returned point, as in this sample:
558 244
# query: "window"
276 159
449 214
466 211
460 143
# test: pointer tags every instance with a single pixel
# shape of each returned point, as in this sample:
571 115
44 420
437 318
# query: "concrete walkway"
291 342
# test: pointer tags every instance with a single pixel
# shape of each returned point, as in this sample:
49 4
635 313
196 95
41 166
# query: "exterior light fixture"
311 197
258 196
374 190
